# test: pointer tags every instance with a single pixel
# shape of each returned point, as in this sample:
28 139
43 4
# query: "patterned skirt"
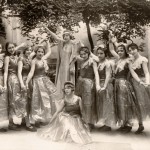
86 90
66 128
124 102
27 95
17 103
3 107
105 105
143 99
43 99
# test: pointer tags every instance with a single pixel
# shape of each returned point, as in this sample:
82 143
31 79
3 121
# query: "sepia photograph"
74 74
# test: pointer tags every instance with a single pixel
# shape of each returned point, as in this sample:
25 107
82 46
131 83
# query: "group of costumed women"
89 89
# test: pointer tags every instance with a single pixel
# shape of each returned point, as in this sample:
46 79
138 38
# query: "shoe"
121 128
43 123
100 128
37 125
127 129
90 127
106 128
140 130
31 128
13 127
3 130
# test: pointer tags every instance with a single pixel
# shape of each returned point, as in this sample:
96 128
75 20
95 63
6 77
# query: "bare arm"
59 109
80 104
20 66
6 64
146 72
31 73
20 47
113 52
95 58
97 79
48 53
52 34
133 73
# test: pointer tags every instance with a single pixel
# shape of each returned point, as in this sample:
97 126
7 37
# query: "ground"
25 140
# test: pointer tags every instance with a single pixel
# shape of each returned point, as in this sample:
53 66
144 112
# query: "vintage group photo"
74 74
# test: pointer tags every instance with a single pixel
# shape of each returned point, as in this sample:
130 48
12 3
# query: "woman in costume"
124 96
44 91
11 82
141 84
85 88
66 124
67 50
105 96
24 65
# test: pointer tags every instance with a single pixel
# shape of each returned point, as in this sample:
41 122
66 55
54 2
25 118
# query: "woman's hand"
23 88
5 88
103 88
72 70
98 88
144 84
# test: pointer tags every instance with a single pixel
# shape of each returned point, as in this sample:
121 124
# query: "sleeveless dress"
3 100
86 90
105 98
17 104
142 92
25 71
68 125
43 96
124 95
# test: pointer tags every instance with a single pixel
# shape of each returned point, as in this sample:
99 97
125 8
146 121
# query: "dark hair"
24 51
102 49
39 46
69 84
6 48
133 46
123 46
85 49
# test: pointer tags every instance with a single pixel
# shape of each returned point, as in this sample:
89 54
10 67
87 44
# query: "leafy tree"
121 16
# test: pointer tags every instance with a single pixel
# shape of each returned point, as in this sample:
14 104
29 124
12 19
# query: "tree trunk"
89 34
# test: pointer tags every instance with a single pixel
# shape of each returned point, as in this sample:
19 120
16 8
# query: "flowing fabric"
86 90
124 95
124 101
66 53
143 99
142 92
17 104
105 98
26 95
105 105
43 96
67 127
